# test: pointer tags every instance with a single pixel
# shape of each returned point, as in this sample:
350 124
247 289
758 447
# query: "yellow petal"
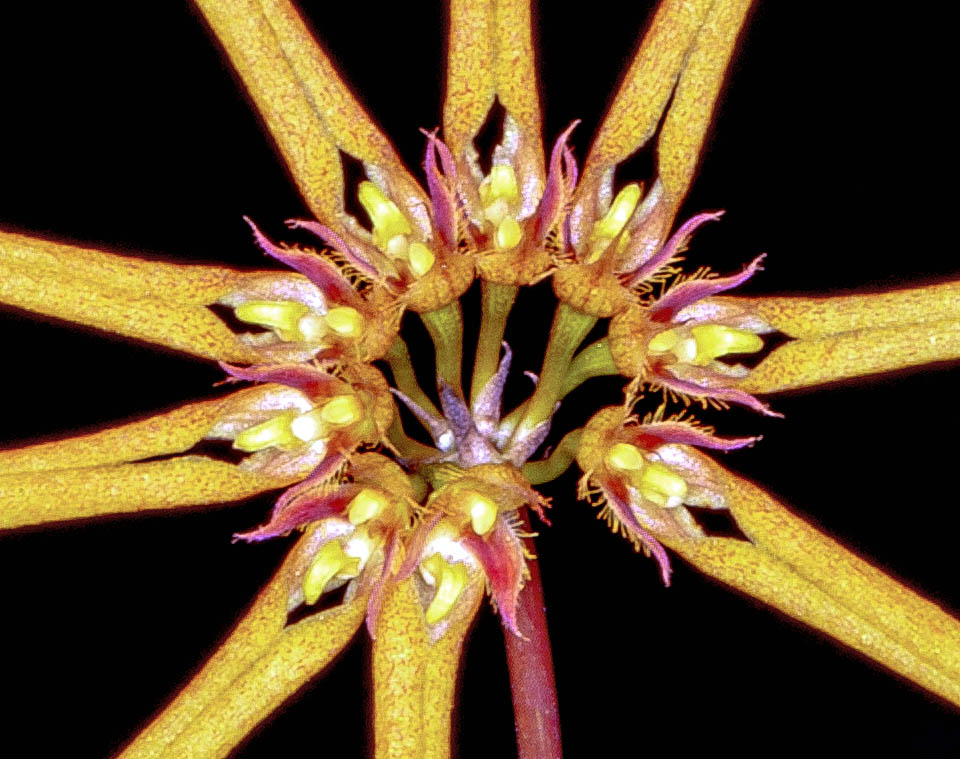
299 130
400 655
440 681
173 432
806 574
647 86
860 587
491 54
815 361
182 326
767 579
260 663
61 494
815 317
471 77
686 123
294 658
138 278
349 126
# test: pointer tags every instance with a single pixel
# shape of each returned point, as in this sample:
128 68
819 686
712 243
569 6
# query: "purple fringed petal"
375 602
443 200
500 553
557 188
618 500
323 273
707 384
693 290
655 434
351 253
415 545
307 508
313 382
674 245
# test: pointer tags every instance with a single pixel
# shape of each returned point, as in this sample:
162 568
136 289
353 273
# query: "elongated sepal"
261 663
64 494
821 360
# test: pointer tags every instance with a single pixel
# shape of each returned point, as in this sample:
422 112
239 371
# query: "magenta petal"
304 377
413 551
323 273
654 434
375 602
693 290
618 500
672 246
707 385
309 507
556 191
500 553
441 198
351 253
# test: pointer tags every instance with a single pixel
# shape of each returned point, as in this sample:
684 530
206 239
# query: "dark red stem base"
531 675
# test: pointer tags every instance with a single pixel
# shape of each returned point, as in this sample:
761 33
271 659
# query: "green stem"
568 330
445 326
407 446
593 361
497 301
538 472
405 379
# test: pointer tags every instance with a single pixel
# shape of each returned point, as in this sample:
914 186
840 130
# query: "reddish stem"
531 674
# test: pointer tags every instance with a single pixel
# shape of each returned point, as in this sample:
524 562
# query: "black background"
124 128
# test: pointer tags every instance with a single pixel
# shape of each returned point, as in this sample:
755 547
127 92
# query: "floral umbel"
413 504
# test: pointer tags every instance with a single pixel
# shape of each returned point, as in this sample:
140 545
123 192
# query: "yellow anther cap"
328 562
365 505
341 411
625 457
508 234
483 513
662 485
449 580
622 208
421 258
500 184
282 316
388 221
715 340
273 432
663 341
309 427
345 321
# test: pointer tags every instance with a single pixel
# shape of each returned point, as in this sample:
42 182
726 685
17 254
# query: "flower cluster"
409 535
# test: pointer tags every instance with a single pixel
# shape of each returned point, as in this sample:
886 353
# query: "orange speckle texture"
299 130
815 361
699 85
440 681
182 325
262 662
817 317
400 654
471 83
62 494
173 432
647 85
348 125
797 569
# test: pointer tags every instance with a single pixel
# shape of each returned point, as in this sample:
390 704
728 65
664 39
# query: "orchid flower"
409 521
